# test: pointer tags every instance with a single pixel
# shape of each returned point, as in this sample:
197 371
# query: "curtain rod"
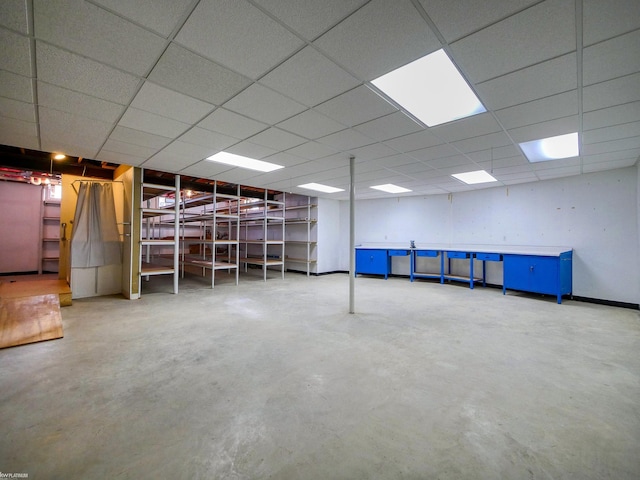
94 181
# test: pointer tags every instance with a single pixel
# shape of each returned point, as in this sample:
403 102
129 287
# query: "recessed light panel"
243 162
479 176
432 89
321 188
551 148
391 188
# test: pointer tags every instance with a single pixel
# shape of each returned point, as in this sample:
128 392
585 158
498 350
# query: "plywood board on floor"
28 288
29 319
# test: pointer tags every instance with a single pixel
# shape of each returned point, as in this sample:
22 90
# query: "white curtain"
95 240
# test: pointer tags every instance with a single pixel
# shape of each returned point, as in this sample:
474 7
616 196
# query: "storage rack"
49 237
262 233
220 216
162 230
300 232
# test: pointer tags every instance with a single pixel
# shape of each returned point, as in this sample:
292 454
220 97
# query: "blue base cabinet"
372 261
539 274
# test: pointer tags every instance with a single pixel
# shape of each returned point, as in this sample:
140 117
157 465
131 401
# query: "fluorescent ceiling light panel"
391 188
432 89
243 162
479 176
321 188
552 148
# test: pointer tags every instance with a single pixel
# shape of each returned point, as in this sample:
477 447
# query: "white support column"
176 233
352 235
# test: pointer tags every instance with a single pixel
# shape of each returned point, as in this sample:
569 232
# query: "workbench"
545 270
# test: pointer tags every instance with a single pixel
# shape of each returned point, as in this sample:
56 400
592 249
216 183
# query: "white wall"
597 214
329 235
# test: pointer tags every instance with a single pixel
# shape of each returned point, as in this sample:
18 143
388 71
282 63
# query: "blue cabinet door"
531 273
371 261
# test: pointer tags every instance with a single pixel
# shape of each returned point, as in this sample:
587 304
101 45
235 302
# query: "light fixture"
59 156
479 176
432 89
244 162
551 148
391 188
321 188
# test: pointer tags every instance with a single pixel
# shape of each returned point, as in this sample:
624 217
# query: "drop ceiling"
162 85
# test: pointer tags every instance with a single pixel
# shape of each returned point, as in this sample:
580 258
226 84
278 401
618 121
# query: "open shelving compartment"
159 246
262 224
216 218
301 235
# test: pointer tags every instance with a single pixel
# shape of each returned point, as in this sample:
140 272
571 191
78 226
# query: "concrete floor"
277 381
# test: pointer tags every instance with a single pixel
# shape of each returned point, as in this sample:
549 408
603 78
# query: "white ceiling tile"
615 132
162 16
599 167
356 106
251 150
73 129
311 124
393 161
543 31
389 126
482 143
243 176
454 20
78 73
629 112
86 29
206 169
57 144
263 104
120 158
431 153
13 14
15 54
412 168
138 137
312 150
167 103
309 78
552 128
191 74
12 127
551 173
536 111
452 164
530 83
231 124
277 139
378 38
611 93
414 141
346 140
237 35
207 138
188 150
611 146
16 87
621 155
168 162
373 151
123 148
614 58
310 18
286 159
18 110
469 127
603 19
152 123
78 103
498 155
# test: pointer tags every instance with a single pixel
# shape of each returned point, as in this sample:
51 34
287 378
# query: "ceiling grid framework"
165 84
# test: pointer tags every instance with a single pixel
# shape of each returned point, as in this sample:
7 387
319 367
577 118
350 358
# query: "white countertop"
551 251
